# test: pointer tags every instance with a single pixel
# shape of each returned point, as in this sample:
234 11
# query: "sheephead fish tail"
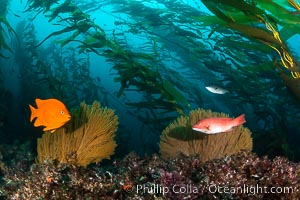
239 120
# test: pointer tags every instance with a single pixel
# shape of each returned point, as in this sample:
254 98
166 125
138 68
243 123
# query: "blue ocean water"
151 64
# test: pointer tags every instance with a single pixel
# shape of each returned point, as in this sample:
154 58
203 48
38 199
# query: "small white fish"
216 90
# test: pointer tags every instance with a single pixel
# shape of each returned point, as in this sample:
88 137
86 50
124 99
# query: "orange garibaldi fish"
218 124
50 113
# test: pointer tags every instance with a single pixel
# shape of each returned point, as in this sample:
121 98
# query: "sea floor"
240 176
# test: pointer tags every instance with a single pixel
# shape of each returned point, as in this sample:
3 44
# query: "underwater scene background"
136 76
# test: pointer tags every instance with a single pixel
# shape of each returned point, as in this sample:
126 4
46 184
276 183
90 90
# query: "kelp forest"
137 75
159 57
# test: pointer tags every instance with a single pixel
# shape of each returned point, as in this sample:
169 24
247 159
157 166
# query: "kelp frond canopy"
271 22
89 137
179 138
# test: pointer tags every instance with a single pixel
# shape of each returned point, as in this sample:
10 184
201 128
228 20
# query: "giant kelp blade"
174 93
289 31
283 15
213 8
256 33
65 30
40 5
65 7
3 43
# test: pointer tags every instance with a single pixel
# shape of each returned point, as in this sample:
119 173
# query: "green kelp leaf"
213 20
69 39
121 90
213 8
253 46
3 44
240 17
240 6
256 33
174 94
95 40
267 66
84 47
283 15
65 30
8 26
40 5
283 3
162 104
66 7
143 56
233 14
289 31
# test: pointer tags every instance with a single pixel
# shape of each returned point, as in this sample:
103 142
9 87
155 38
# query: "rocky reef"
240 176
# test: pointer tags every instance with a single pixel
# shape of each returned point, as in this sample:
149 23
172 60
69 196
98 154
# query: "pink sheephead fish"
218 124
